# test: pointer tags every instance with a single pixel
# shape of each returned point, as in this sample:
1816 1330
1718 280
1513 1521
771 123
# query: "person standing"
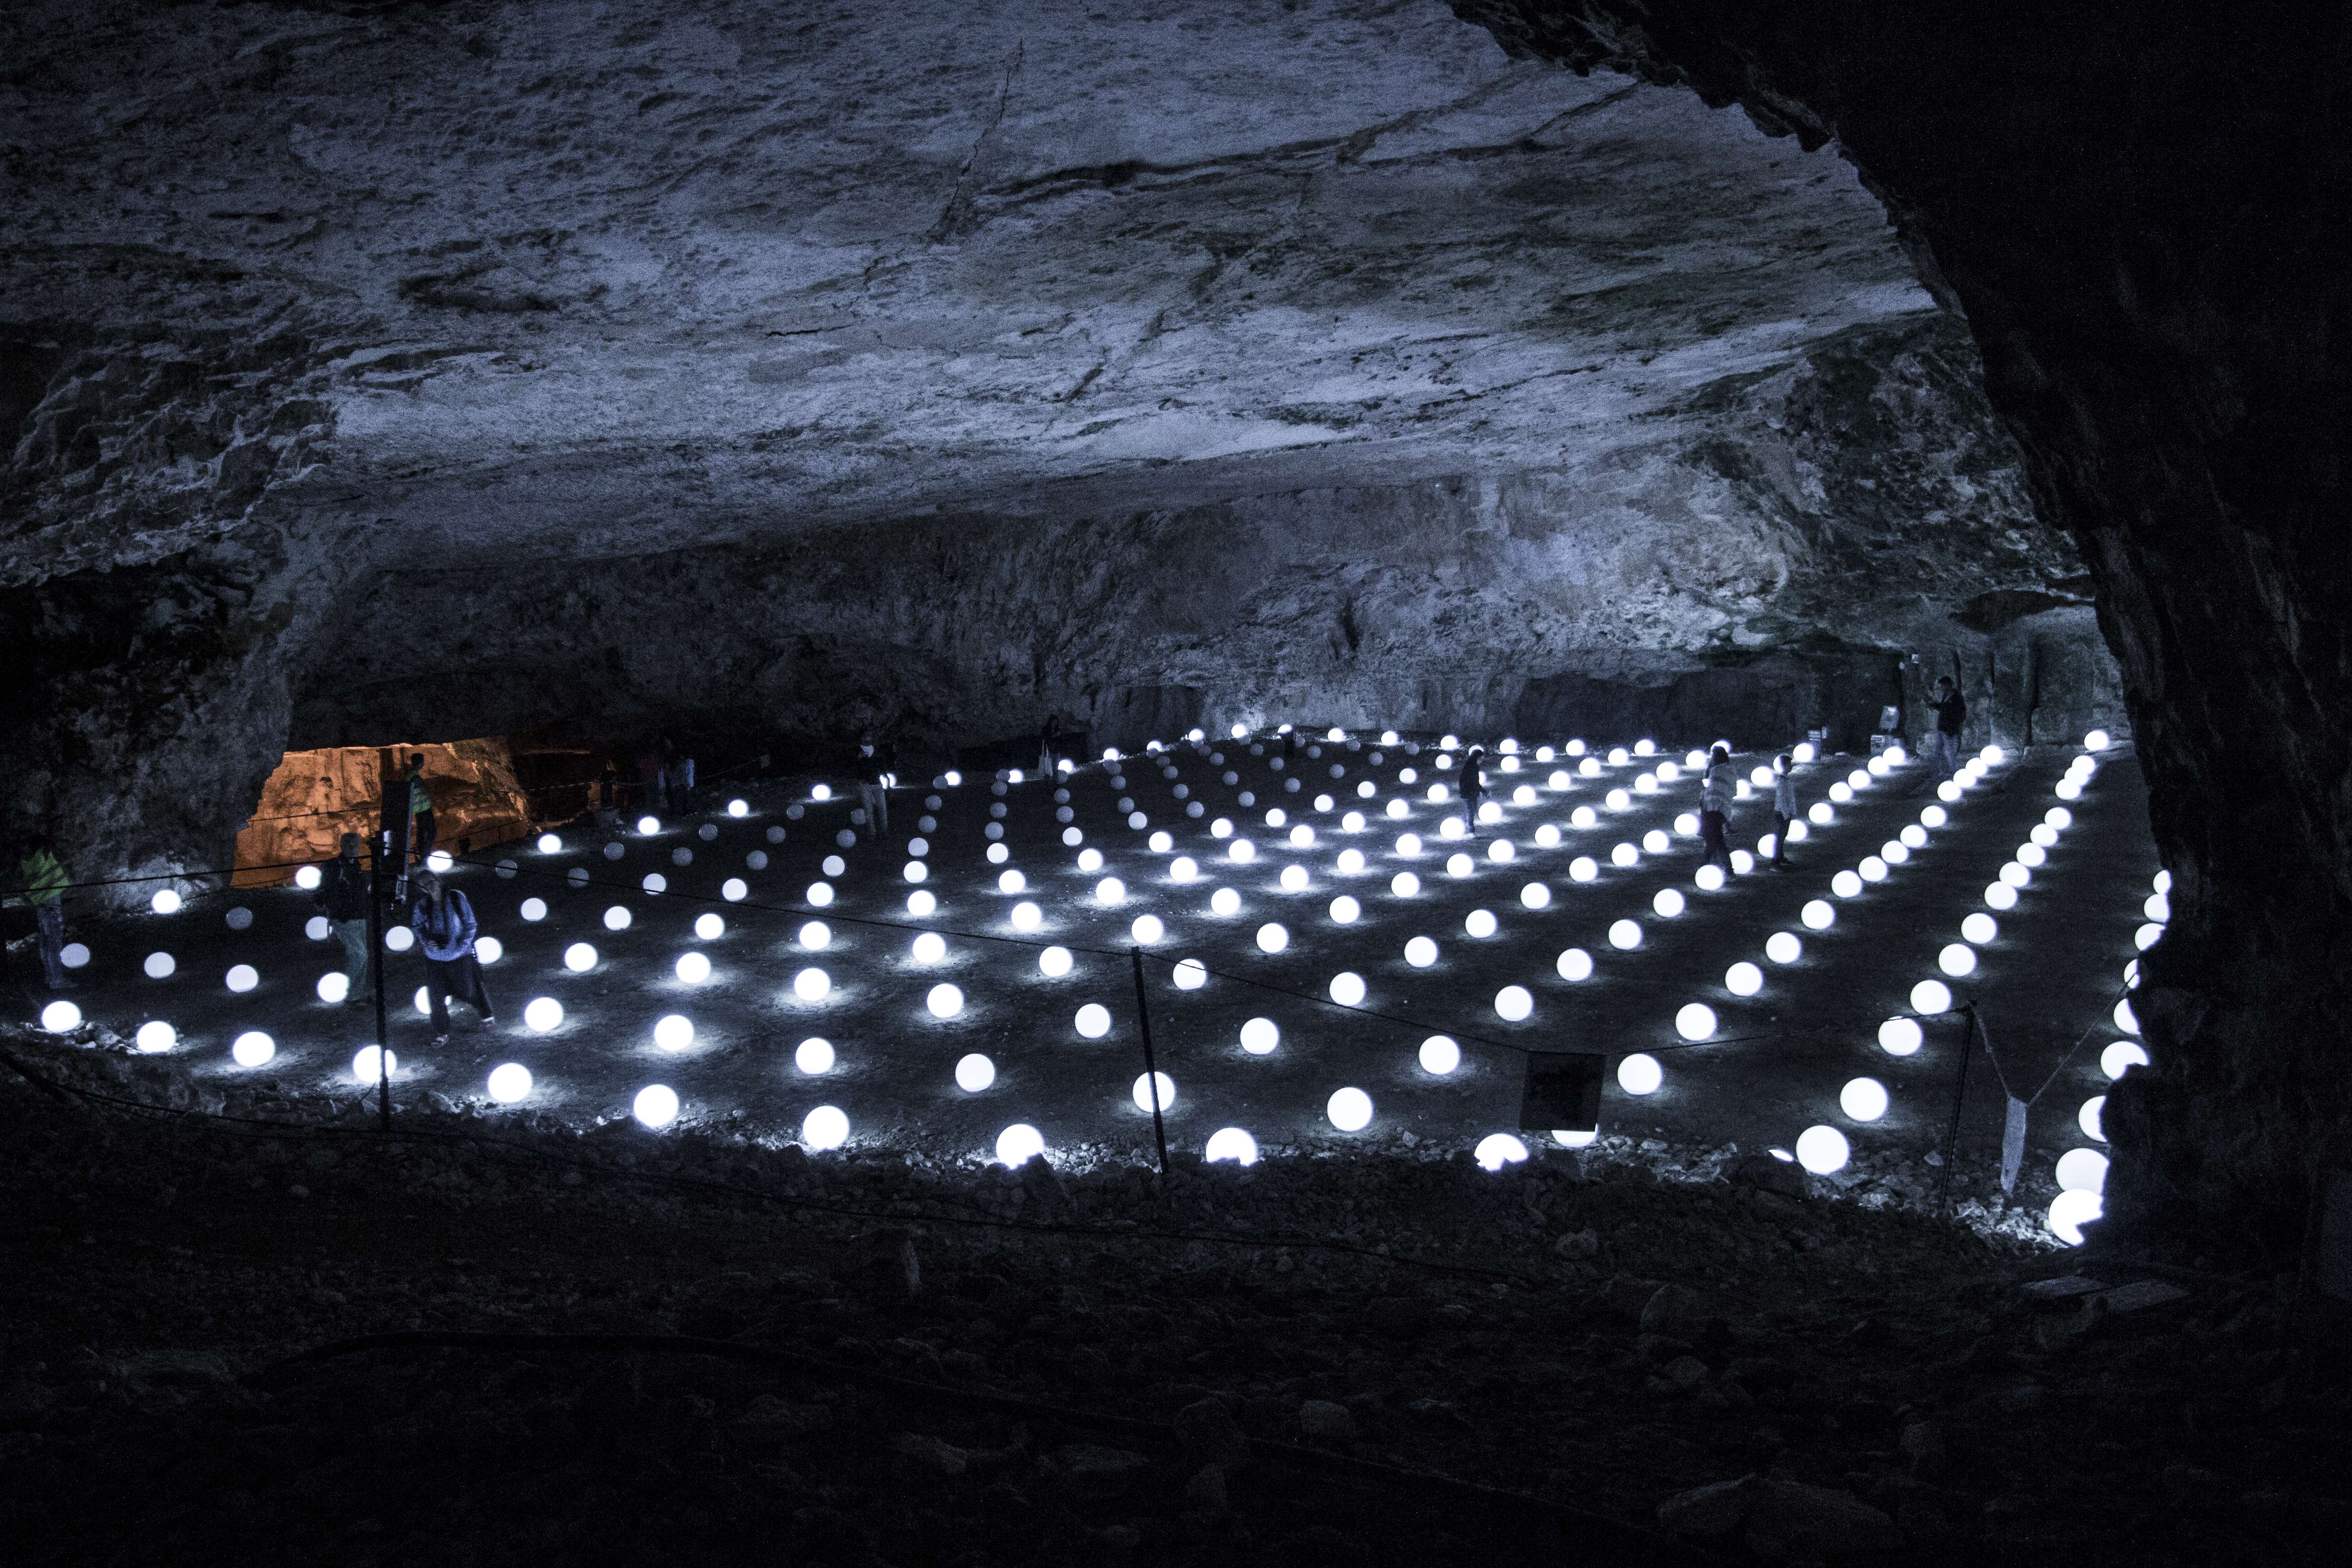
1715 793
1951 713
1049 746
444 923
342 897
43 884
608 796
420 809
681 785
649 780
873 765
1784 809
1472 786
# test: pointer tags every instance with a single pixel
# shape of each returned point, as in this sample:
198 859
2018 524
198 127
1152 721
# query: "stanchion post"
375 972
1150 1068
1959 1094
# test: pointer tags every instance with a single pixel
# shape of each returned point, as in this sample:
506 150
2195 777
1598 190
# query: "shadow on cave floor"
1297 1364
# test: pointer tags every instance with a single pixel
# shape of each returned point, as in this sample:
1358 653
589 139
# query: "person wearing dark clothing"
1715 808
873 765
1473 787
342 897
420 809
608 796
444 923
1784 809
1049 746
649 779
43 884
1951 713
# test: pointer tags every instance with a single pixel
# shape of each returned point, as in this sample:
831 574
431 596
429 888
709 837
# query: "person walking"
873 765
420 809
444 923
43 881
344 890
1784 809
1715 794
1951 713
1473 787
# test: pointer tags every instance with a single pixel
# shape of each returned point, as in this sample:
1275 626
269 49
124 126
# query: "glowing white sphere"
157 1036
1230 1144
2069 789
2016 876
334 986
549 844
167 902
1574 964
1535 896
1818 915
2122 1056
1742 863
929 948
1639 1074
251 1049
509 1083
1798 831
1823 1150
160 965
1625 935
2126 1019
1094 1021
2092 1118
1571 1138
1934 816
2083 1171
2001 896
1514 1002
1019 1144
1144 1086
2032 856
617 918
613 851
1841 792
1242 851
244 977
1900 1037
2071 1210
944 1001
2163 881
1440 1054
812 985
579 958
1872 868
692 968
814 1055
439 860
399 939
1783 947
1190 974
2146 936
1710 878
1618 800
1294 878
826 1127
1349 1110
1864 1099
1694 1021
1668 903
1348 988
1979 927
1479 924
1957 960
544 1013
674 1033
1846 885
1272 938
1743 979
1345 910
367 1069
1584 869
1224 902
1820 814
1930 998
1497 1150
74 954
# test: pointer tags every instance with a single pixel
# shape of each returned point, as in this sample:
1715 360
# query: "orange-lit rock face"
314 797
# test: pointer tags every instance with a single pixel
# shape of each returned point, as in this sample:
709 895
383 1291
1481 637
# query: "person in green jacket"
43 884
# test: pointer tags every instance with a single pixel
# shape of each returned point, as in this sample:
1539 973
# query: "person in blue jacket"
444 923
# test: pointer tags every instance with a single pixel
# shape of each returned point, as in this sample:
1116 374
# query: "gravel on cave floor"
1883 1374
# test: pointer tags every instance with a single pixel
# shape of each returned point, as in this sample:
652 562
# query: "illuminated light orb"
1019 1144
1617 800
2016 876
1294 878
1574 964
2032 856
1584 869
1823 1151
1497 1150
916 871
919 904
489 949
439 860
155 1036
579 958
1934 816
1184 868
167 902
674 1033
1090 860
1625 935
1571 1138
692 968
814 1055
1743 979
1900 1037
1524 795
1949 790
543 1015
1863 1098
1302 836
1452 828
1242 851
812 985
1345 910
1348 988
305 878
1190 974
734 889
334 986
2163 882
1846 885
613 851
549 844
1011 881
826 1127
1841 792
649 826
2146 936
1230 1144
74 954
1512 1003
1656 842
1110 890
1145 1086
1404 884
1625 855
617 918
2126 1019
1818 914
1349 1110
1146 930
1668 903
242 977
1421 953
1957 959
1584 816
1799 831
757 861
1408 844
160 966
1694 1021
2092 1118
1272 938
1548 836
1590 768
2083 1171
251 1049
1351 862
1979 927
1224 902
509 1083
1742 862
1878 767
1913 835
1820 814
2121 1057
2070 1211
1094 1021
1784 947
367 1069
1873 868
1440 1054
944 1001
2000 895
1460 866
399 938
1639 1074
1536 896
1479 924
929 948
1930 998
1990 756
1709 878
1501 850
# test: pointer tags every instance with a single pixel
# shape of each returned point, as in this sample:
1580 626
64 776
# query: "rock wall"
2128 204
312 798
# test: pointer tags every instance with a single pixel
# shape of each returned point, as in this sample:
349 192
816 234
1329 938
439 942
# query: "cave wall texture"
2135 208
378 371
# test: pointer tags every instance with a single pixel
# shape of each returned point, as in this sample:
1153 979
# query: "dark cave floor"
1897 1391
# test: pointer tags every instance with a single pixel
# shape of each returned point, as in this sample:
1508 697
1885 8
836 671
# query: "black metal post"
375 972
1151 1069
1959 1093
